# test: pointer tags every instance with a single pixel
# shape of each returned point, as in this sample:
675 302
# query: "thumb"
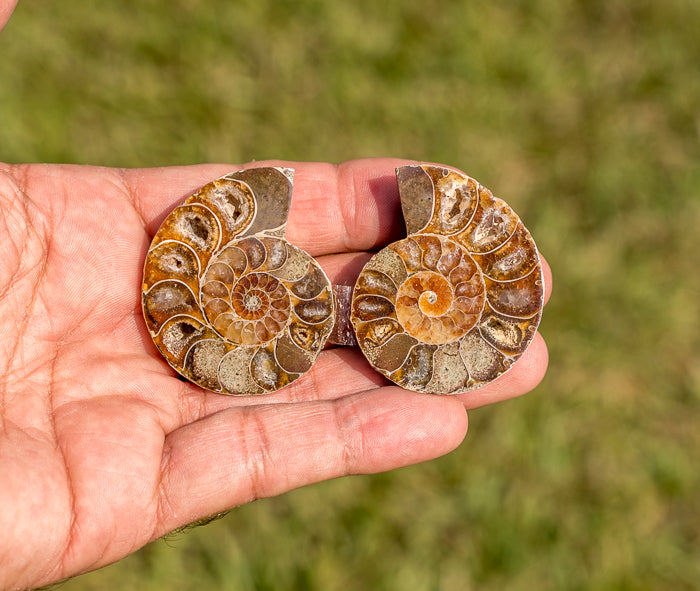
239 455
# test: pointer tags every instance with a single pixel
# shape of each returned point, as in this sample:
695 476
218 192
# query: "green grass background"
584 115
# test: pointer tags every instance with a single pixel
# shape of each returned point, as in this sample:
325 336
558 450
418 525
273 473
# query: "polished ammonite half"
452 306
229 303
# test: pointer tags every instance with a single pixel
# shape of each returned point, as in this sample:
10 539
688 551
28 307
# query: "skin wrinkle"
315 384
342 431
40 273
171 471
19 199
52 335
357 211
17 351
51 404
311 382
3 407
65 338
339 205
125 318
165 420
20 172
17 173
353 216
18 253
189 400
30 176
71 537
165 508
259 465
5 290
130 191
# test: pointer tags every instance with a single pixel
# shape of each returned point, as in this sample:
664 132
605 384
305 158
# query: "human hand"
102 447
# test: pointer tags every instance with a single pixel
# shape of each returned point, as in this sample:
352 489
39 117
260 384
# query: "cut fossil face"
452 306
230 304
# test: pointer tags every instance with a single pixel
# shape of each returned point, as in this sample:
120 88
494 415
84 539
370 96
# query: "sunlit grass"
585 116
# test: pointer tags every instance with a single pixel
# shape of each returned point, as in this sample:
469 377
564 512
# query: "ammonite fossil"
229 303
452 306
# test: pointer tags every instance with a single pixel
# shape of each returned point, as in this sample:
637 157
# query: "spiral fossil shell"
230 304
452 306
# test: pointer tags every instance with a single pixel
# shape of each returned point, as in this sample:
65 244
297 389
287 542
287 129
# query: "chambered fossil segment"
230 304
452 306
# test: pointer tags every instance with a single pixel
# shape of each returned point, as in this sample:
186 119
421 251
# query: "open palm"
102 447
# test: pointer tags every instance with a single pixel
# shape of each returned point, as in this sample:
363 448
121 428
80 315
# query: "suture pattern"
452 306
230 304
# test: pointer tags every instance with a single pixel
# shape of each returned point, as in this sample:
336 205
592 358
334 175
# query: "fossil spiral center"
250 297
253 302
249 310
437 309
434 292
430 297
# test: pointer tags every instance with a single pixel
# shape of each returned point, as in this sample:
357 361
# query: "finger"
348 207
239 455
355 205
